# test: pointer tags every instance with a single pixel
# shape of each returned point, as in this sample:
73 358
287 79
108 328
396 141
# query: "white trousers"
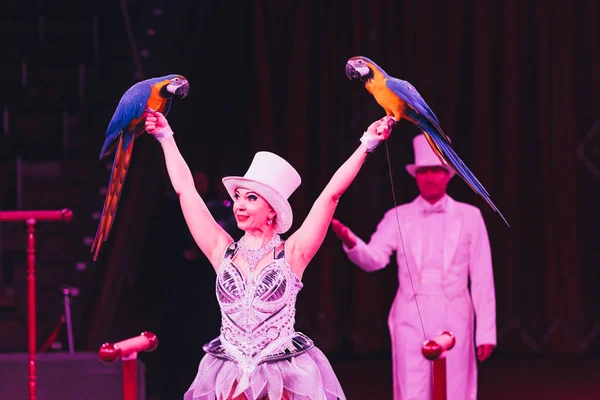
413 372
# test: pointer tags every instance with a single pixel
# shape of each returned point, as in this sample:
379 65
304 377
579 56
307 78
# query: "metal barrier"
31 217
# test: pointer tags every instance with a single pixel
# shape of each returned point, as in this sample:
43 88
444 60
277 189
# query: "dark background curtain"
515 84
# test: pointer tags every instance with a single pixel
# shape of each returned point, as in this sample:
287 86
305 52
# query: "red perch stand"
127 351
435 350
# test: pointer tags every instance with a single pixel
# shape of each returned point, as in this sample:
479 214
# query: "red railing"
31 217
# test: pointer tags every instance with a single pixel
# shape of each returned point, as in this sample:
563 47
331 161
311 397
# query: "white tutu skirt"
308 376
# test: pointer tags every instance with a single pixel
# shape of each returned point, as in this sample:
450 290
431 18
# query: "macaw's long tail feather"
111 142
447 155
109 148
115 186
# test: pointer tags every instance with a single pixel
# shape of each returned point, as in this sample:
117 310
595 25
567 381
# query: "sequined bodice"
258 315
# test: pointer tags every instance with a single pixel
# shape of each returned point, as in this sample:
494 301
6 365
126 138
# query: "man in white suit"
445 245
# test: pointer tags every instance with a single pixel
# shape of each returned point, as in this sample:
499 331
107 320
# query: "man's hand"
484 351
343 233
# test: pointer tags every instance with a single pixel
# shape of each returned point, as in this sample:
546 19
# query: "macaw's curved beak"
352 73
182 89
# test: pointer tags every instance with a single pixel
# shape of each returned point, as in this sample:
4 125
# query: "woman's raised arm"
209 236
304 243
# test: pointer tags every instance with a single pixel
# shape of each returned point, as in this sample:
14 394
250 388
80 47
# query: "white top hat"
272 178
425 157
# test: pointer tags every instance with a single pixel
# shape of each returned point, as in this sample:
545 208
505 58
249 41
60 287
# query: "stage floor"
500 378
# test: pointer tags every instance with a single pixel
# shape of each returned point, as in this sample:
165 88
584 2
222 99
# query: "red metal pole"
31 217
439 379
130 378
31 311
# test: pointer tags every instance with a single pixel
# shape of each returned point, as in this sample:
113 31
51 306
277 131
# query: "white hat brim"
280 205
412 169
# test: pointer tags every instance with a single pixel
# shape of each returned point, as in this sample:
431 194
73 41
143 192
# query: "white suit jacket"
467 255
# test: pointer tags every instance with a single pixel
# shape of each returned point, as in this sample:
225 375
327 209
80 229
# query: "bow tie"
436 208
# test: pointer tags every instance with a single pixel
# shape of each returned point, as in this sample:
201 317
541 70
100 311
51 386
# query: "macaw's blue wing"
131 106
120 137
419 113
413 99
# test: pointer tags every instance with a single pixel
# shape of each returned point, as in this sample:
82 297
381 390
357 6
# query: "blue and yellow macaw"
127 124
401 100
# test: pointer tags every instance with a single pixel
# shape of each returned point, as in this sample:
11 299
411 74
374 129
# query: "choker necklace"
253 256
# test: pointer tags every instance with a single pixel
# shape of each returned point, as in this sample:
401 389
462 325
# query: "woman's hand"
157 125
155 121
382 127
377 132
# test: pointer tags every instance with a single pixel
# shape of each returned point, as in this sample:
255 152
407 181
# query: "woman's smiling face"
251 210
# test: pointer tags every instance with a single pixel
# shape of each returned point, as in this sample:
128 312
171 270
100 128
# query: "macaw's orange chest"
391 103
155 102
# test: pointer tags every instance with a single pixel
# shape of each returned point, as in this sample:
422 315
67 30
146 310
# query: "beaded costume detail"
258 354
258 313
